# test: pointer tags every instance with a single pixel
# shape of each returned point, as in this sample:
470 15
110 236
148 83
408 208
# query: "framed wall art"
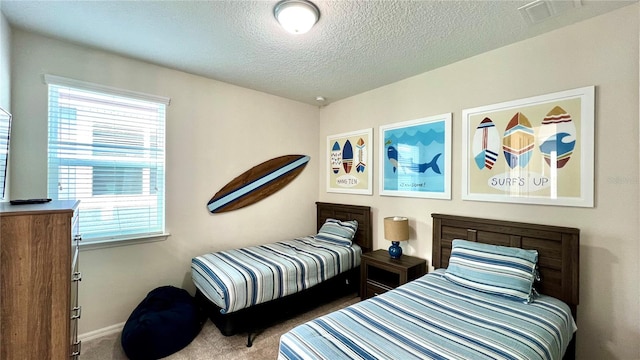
349 162
415 158
537 150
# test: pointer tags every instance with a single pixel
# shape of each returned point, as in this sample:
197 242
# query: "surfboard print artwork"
486 144
258 183
336 158
361 156
348 164
347 156
557 137
518 141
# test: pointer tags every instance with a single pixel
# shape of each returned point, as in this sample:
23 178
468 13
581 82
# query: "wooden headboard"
362 214
558 249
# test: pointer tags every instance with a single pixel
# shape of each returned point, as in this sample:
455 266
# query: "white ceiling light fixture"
296 16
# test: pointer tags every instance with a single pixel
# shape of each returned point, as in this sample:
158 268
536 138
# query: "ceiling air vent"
539 10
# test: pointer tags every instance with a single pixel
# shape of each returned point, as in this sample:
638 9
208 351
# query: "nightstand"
380 273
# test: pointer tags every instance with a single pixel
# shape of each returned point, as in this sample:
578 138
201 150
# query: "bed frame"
558 251
252 320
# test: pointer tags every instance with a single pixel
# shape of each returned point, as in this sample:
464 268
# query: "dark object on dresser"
166 321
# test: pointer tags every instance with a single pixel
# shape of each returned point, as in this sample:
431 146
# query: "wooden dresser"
39 281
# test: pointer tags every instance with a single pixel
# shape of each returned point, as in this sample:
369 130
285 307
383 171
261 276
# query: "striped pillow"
499 270
337 232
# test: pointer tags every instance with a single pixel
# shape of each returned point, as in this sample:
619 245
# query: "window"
5 131
106 149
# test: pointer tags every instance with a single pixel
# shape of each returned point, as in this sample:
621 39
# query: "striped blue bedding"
239 278
433 318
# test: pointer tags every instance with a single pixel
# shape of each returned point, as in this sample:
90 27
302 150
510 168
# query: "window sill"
109 243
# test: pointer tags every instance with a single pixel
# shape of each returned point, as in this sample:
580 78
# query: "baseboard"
117 328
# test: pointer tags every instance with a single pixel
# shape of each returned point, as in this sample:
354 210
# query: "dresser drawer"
76 277
76 311
76 237
75 223
75 255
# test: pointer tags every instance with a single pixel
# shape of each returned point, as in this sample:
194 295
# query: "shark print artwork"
415 161
409 165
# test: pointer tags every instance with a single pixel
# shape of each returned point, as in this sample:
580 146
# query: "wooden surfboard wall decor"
257 183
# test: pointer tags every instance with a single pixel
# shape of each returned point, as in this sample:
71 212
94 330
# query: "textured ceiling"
356 46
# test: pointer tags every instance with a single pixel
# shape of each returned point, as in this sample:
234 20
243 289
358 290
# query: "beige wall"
215 131
5 63
5 81
601 52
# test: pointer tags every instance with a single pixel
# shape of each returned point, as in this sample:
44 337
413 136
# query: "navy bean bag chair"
166 321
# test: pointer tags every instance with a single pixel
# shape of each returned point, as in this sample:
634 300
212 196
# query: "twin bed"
431 317
434 317
244 290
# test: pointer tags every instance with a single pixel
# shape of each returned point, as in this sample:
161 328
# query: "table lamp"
396 229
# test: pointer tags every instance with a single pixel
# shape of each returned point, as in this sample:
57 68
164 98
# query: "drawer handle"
77 276
78 312
77 347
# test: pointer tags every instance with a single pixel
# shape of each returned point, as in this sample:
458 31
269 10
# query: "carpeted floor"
211 344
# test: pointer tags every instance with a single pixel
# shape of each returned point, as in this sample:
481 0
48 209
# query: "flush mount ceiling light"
296 16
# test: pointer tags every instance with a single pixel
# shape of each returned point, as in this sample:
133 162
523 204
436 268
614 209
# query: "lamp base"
395 251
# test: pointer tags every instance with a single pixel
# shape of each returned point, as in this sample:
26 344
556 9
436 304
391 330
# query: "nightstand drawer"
385 277
380 273
374 289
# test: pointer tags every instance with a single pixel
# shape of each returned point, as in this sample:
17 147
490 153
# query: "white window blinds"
5 132
107 149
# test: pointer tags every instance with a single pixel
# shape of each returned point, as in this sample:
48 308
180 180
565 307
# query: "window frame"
160 210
